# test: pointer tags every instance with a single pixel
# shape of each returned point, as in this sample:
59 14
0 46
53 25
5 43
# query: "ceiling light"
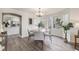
39 13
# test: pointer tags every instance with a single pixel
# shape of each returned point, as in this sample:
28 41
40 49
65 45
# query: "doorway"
12 23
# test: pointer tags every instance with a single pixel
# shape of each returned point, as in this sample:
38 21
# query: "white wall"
74 15
74 18
13 30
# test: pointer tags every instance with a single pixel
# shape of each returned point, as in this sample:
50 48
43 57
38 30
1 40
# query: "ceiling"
46 11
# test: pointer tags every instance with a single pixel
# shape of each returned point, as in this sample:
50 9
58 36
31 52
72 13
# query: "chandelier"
39 13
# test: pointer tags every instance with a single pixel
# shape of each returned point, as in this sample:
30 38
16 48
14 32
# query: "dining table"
41 33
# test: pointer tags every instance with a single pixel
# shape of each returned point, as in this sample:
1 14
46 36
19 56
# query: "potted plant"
5 24
40 25
66 28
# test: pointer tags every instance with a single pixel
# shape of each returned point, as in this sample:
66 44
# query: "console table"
3 35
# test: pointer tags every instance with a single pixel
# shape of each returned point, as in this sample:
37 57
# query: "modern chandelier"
39 13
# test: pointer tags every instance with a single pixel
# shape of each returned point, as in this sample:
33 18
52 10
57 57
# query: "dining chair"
39 37
49 35
30 34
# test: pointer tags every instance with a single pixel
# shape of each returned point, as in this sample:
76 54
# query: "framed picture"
57 22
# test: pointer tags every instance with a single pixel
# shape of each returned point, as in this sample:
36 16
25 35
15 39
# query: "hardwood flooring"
15 43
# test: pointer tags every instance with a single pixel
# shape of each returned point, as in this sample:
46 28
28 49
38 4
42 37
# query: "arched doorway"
12 23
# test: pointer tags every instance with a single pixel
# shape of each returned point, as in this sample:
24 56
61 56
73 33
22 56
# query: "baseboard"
59 36
24 36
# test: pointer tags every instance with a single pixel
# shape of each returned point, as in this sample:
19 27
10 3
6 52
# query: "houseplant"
5 24
40 24
66 28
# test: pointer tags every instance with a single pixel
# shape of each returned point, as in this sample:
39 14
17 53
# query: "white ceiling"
46 11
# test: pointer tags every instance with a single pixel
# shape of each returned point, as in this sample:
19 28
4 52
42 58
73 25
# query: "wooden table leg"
50 37
75 43
6 43
42 45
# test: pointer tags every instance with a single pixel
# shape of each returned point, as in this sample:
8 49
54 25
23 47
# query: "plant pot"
66 37
65 41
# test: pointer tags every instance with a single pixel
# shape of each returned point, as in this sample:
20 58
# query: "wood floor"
15 43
